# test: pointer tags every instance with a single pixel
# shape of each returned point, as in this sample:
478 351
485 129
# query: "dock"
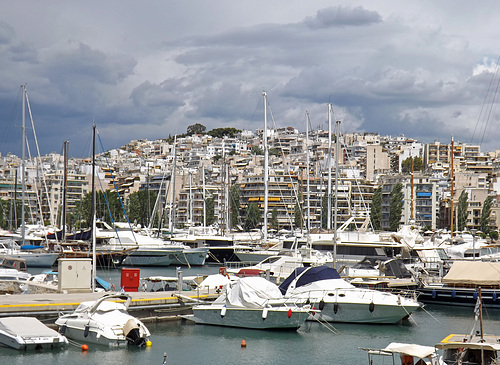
147 306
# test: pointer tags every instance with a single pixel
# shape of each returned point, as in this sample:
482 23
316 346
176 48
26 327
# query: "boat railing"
314 296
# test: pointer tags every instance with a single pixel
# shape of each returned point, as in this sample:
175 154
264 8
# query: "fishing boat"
476 348
406 352
28 333
251 302
340 301
104 322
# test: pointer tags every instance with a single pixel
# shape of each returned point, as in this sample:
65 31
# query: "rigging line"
44 182
492 106
109 210
483 106
287 167
117 192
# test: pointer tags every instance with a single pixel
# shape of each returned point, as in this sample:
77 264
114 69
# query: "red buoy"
243 343
289 312
85 347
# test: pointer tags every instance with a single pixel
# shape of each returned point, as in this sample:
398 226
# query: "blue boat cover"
30 247
312 274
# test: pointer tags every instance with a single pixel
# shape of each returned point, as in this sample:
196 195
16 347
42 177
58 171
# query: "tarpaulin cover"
473 273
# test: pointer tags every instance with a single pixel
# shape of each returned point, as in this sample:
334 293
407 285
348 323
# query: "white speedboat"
105 321
251 302
339 301
28 333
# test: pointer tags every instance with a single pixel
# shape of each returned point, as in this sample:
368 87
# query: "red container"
130 279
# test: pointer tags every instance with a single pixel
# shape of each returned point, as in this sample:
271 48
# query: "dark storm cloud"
343 16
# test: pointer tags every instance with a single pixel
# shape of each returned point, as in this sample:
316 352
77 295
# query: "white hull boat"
27 333
104 322
339 301
251 302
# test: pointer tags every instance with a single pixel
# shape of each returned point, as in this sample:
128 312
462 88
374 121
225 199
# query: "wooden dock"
144 305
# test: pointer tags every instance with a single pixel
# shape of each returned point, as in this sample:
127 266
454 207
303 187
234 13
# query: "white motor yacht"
105 321
340 301
251 302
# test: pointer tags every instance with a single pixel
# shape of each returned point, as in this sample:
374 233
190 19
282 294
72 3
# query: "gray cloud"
342 16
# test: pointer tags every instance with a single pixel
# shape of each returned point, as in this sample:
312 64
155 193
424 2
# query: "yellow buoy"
148 343
243 343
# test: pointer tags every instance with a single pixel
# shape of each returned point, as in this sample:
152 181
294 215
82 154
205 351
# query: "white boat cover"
410 349
214 281
473 272
26 327
249 292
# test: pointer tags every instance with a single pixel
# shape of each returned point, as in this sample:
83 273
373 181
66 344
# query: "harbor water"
314 343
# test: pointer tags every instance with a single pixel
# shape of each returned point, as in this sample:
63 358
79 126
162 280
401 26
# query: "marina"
185 342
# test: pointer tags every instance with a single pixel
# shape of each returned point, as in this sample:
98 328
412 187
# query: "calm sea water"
186 343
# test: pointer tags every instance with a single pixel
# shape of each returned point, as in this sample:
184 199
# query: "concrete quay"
149 306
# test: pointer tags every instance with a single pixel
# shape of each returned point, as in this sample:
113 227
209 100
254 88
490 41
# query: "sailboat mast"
308 224
266 167
94 265
23 166
172 189
65 189
329 192
337 152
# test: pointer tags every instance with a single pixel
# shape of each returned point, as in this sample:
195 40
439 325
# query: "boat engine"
134 333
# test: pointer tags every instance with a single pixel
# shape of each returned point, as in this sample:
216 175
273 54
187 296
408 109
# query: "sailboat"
34 255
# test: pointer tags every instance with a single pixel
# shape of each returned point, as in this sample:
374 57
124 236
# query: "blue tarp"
30 247
312 274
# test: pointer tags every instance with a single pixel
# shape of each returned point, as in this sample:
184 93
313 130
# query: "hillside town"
204 166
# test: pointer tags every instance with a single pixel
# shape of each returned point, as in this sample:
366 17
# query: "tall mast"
266 167
204 197
65 188
329 192
308 224
23 166
172 189
452 187
337 153
94 264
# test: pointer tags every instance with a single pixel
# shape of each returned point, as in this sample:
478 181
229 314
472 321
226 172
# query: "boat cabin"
404 354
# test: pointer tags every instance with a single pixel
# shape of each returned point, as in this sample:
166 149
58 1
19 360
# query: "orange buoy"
85 347
243 343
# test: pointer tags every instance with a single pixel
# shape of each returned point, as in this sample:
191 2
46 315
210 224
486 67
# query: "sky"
149 69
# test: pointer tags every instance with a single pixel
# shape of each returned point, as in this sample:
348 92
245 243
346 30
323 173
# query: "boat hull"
93 337
153 257
463 297
362 313
44 260
275 318
191 257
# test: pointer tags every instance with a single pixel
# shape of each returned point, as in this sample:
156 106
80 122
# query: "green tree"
210 210
195 129
297 214
485 214
223 132
253 217
273 151
376 209
234 196
396 207
140 206
274 218
103 200
256 150
462 210
418 164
